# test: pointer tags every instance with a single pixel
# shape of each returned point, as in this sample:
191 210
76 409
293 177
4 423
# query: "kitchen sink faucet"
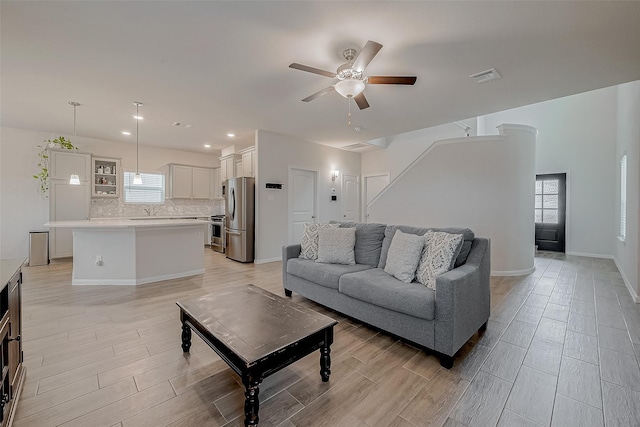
150 211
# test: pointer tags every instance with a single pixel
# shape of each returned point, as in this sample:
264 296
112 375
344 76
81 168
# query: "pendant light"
137 179
74 179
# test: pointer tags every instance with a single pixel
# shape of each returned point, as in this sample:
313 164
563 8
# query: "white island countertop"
125 223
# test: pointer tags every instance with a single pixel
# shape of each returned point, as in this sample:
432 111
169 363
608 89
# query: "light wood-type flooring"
561 349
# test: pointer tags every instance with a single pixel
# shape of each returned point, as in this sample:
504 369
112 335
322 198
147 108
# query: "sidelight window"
623 197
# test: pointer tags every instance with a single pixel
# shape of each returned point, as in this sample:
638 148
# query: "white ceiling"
223 66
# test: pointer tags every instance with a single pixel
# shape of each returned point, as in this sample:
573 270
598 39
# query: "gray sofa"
441 320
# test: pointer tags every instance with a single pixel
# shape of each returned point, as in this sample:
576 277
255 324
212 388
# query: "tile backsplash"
105 208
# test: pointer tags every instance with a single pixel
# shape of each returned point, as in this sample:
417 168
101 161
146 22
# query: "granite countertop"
109 218
8 268
126 223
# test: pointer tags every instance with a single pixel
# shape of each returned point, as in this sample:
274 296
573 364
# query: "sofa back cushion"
390 230
369 237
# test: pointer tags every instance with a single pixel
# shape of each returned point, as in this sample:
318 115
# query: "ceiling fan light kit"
350 88
351 79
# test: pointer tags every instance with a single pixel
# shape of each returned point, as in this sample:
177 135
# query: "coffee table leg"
251 402
186 337
325 362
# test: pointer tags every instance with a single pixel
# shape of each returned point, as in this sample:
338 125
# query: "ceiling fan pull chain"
349 115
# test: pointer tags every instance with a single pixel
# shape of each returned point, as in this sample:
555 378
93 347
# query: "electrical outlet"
98 260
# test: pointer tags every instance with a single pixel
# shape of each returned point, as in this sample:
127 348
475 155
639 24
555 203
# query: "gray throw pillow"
404 256
335 245
438 257
309 243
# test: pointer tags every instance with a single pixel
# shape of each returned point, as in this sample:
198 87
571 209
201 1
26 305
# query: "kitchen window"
150 191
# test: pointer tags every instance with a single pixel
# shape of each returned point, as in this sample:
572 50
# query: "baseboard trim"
632 292
267 260
588 255
133 282
514 272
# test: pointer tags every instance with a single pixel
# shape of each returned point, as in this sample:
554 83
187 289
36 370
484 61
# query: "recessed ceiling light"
124 132
231 135
207 146
138 117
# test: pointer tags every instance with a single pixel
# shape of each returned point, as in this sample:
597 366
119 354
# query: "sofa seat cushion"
327 275
378 288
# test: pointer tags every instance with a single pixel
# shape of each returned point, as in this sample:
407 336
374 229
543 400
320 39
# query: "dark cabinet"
10 339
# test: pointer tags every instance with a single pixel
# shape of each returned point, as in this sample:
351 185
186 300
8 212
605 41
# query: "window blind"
150 191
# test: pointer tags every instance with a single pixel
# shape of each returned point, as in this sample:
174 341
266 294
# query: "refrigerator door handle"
233 200
235 233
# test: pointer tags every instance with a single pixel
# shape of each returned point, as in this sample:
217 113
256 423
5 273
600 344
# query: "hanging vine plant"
43 161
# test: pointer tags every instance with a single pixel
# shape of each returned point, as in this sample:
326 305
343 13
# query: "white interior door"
350 198
373 185
302 197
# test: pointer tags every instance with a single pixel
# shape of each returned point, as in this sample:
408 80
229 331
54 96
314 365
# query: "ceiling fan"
351 79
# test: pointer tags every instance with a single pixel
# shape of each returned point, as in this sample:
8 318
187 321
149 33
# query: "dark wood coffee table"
257 333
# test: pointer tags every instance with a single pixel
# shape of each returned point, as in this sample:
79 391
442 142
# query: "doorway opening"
550 212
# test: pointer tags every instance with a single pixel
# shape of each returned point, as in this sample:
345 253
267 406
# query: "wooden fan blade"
312 70
391 80
319 93
368 52
361 101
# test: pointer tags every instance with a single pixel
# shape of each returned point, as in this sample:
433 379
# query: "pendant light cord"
137 124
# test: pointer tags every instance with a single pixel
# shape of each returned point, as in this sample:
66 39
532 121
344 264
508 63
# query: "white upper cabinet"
249 162
189 182
228 166
217 184
202 183
181 182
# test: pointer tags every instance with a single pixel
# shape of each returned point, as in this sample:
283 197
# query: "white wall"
276 153
628 142
577 135
21 207
483 183
405 148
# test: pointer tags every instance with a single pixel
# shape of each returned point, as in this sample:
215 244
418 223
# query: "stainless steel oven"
217 233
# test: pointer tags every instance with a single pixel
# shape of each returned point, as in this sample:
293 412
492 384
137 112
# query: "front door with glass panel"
550 206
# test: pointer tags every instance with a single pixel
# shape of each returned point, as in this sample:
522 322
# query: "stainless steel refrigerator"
239 218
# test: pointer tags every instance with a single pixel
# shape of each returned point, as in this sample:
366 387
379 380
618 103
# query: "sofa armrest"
288 252
463 299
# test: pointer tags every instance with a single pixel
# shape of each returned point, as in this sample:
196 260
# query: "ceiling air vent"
354 146
486 76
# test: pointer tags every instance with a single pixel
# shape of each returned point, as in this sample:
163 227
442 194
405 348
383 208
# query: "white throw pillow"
439 255
404 255
335 245
309 243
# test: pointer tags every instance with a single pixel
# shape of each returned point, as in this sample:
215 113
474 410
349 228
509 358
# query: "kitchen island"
134 251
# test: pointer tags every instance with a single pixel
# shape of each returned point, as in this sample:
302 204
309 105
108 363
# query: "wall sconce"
334 175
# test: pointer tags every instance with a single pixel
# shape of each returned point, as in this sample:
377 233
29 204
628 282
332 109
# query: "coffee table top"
252 322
